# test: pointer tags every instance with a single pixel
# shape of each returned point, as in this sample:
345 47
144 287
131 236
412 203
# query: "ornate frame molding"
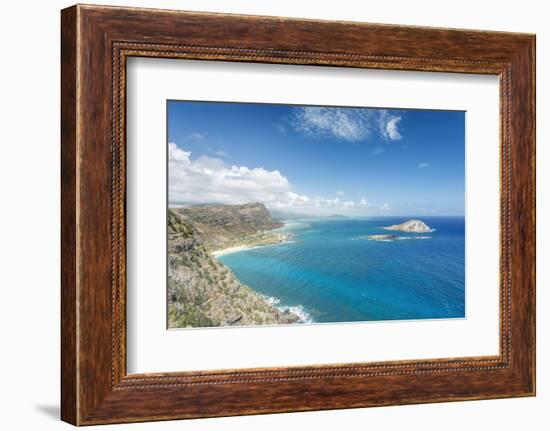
96 41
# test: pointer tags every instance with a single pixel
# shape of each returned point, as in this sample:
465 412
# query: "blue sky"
317 160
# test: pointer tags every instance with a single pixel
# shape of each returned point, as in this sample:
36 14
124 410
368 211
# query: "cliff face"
221 226
202 291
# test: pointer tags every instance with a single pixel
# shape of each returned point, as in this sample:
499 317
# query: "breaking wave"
298 310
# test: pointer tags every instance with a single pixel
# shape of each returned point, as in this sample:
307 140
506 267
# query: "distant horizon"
317 161
296 214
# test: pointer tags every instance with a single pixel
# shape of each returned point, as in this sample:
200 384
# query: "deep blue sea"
328 271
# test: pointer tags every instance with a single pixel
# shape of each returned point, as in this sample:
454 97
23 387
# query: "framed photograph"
265 215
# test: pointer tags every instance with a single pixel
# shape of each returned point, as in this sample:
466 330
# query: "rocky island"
201 290
382 237
412 226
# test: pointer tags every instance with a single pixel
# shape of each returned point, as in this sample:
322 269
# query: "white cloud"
349 124
195 137
385 207
387 124
363 202
340 193
423 165
391 128
341 123
211 180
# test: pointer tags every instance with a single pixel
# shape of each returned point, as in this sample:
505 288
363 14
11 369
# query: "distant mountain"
221 225
283 215
414 226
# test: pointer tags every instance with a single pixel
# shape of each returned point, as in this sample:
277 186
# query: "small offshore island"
410 226
414 226
201 290
382 237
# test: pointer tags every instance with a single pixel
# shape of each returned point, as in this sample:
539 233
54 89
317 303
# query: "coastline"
235 249
298 310
281 294
278 238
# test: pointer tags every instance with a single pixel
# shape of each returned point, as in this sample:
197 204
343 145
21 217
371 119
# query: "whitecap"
271 300
298 310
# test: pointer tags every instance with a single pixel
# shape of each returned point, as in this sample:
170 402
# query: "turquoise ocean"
329 272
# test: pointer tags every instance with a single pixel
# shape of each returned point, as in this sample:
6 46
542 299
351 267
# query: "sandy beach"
282 239
235 249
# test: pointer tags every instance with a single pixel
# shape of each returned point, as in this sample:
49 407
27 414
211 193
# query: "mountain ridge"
221 225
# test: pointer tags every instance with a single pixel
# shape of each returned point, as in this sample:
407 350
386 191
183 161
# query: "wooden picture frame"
95 43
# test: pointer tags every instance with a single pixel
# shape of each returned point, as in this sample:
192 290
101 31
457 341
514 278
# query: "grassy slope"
223 226
203 292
